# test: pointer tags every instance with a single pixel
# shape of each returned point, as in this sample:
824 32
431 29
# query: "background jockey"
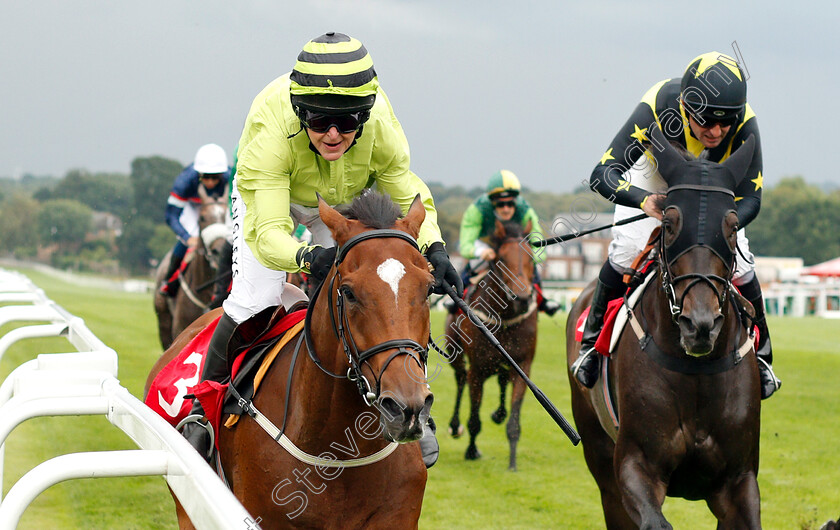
705 111
210 168
502 201
325 128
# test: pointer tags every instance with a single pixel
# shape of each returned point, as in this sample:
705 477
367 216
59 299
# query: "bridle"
341 325
494 268
668 278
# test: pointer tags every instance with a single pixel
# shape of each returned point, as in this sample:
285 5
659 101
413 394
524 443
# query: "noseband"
341 326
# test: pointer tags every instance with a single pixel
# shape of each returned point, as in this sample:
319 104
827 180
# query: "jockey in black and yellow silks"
706 112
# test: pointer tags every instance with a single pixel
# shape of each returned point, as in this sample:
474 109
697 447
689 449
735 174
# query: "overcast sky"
539 88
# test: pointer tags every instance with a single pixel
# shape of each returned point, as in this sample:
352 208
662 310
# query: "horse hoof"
472 453
498 416
456 433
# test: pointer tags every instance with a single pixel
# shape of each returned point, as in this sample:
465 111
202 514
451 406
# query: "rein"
354 357
494 321
689 364
341 326
286 443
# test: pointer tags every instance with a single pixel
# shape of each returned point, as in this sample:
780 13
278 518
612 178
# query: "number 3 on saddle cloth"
180 378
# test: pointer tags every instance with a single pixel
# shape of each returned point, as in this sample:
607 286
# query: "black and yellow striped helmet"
714 88
334 75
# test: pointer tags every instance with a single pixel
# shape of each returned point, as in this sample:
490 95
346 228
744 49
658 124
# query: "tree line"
57 214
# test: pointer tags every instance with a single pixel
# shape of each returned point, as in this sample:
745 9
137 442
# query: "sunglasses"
211 176
707 121
505 204
321 123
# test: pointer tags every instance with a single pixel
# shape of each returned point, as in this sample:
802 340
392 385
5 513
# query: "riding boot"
429 445
548 306
609 285
764 352
585 368
215 369
170 286
751 290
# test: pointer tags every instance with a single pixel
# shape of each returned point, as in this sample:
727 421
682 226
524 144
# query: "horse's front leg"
460 368
476 383
500 413
642 491
737 504
513 426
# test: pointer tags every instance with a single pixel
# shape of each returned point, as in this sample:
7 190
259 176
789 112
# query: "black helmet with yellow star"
714 89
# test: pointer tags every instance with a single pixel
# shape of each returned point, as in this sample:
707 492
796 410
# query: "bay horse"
195 289
505 300
354 387
687 390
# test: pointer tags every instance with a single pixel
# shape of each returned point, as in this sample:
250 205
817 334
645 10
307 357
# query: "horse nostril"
688 325
427 404
390 408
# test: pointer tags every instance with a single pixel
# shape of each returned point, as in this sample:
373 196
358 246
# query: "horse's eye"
348 295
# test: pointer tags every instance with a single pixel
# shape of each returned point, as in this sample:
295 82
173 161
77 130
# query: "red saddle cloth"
181 376
602 345
166 394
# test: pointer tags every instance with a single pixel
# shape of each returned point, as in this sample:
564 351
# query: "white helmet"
210 158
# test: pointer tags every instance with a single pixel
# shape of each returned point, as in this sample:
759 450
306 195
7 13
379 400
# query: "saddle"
253 347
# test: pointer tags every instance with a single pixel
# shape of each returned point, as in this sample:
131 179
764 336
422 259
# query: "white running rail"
85 383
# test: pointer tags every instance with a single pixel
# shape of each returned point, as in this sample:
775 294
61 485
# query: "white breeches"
256 287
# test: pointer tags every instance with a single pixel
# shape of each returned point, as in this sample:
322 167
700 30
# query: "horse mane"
373 209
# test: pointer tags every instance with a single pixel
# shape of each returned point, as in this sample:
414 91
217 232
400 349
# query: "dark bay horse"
505 299
686 381
354 388
195 290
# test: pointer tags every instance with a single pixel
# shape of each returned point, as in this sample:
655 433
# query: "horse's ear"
336 222
410 224
499 232
202 192
739 162
668 160
528 227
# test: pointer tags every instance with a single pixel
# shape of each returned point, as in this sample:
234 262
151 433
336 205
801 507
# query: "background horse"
688 406
196 281
505 299
374 309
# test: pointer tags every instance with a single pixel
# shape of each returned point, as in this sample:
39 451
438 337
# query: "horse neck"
497 293
324 407
202 270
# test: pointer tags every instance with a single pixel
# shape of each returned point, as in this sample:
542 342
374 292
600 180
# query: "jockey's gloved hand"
317 261
443 269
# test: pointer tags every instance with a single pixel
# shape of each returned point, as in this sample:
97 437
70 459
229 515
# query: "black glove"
317 261
443 269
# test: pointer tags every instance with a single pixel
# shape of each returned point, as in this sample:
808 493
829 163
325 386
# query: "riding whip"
574 235
544 401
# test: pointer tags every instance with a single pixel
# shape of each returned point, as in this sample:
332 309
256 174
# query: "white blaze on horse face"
391 272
